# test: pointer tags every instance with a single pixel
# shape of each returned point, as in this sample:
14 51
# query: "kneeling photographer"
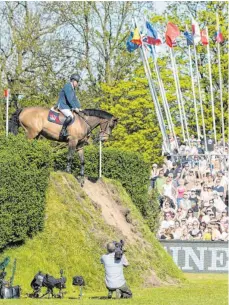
113 262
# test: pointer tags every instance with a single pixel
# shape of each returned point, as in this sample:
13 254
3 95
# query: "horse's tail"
14 122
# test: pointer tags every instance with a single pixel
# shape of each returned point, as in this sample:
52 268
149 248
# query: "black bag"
10 292
78 281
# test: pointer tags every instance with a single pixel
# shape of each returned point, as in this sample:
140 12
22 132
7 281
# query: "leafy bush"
127 167
24 167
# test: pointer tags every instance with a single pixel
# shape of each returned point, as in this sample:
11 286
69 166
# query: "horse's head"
106 126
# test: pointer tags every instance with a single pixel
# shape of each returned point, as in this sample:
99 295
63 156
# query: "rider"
68 101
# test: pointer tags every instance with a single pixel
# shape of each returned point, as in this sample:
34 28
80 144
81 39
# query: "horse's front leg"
71 151
81 156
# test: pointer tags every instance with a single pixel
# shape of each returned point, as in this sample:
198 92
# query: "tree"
98 32
31 55
137 129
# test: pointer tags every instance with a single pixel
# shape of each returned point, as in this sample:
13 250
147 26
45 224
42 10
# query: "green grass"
75 237
210 289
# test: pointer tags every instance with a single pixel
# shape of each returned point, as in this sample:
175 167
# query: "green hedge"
127 167
24 172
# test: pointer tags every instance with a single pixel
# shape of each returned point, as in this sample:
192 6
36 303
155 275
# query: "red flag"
219 36
172 32
204 38
6 93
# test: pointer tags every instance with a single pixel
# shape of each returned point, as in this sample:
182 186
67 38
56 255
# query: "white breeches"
67 112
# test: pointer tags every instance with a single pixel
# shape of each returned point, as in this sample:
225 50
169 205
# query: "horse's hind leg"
30 133
81 156
71 151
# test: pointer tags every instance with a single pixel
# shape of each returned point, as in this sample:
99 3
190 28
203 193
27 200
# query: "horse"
36 122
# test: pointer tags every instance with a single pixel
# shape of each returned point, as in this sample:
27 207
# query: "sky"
160 6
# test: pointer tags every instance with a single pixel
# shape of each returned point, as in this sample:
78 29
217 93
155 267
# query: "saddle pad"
58 118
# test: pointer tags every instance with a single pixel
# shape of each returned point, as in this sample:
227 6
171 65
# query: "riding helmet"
75 77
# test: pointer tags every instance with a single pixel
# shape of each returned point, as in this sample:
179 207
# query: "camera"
119 249
45 280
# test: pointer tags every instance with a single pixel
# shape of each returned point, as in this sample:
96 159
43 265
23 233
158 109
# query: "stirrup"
63 135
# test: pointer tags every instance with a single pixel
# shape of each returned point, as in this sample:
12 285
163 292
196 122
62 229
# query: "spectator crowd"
192 188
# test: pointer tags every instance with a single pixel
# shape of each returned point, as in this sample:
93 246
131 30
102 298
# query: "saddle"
56 117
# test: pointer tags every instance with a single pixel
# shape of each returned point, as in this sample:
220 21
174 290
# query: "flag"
189 38
6 92
172 32
152 36
204 38
219 36
136 37
131 47
196 31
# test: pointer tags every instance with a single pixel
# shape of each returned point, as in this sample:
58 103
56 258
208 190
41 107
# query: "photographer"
114 277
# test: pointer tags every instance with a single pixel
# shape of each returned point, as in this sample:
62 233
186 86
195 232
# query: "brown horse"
35 122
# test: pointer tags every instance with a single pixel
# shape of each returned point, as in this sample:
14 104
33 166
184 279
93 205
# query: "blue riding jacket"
67 98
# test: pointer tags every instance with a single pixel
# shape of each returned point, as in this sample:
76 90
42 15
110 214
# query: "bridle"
104 132
91 127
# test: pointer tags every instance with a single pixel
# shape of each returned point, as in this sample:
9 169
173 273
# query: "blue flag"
131 47
152 36
189 38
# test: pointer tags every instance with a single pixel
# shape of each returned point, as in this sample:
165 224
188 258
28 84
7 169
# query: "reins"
90 127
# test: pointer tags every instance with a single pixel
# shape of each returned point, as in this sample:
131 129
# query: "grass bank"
75 237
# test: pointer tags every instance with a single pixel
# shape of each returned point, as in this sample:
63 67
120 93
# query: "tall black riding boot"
63 132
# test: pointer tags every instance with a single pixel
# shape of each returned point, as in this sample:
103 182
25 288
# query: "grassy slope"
74 238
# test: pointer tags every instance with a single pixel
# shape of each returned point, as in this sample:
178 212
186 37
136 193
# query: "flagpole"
181 99
166 104
177 94
164 98
7 111
220 84
211 88
154 98
154 95
200 98
193 89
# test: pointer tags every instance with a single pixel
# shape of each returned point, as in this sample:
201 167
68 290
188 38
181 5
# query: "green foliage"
152 211
24 167
127 167
137 129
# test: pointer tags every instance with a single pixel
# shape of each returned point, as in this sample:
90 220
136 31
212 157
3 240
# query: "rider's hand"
77 110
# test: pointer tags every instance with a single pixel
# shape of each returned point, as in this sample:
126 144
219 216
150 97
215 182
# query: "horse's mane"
98 113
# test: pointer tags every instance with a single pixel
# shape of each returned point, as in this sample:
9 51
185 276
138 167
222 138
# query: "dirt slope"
112 211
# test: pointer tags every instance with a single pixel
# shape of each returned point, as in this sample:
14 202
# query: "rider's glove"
77 110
